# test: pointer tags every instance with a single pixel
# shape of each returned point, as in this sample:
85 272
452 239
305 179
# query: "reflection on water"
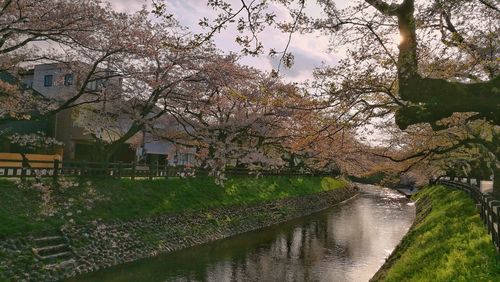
348 242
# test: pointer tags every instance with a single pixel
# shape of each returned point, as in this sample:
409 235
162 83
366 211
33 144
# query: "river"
347 242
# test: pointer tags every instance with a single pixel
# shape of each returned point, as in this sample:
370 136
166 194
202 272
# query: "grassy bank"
450 244
35 209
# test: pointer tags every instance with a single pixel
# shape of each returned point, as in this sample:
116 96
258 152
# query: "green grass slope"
111 199
450 244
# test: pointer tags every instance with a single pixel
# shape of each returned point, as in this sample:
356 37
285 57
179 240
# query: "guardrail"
55 168
489 208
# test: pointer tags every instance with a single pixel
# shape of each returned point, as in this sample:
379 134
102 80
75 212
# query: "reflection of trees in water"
331 245
346 243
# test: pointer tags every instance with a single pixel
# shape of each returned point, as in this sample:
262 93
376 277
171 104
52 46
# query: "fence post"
106 170
498 229
134 163
490 201
150 171
56 169
83 168
24 165
495 230
120 169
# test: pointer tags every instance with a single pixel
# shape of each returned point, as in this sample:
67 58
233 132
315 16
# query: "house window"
68 79
92 85
48 80
184 159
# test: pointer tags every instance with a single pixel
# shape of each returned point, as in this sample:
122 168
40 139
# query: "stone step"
60 265
49 241
47 238
61 255
47 250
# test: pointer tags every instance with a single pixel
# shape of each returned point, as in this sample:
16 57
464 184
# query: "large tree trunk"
433 99
111 148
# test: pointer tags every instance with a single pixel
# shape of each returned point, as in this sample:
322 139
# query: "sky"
310 50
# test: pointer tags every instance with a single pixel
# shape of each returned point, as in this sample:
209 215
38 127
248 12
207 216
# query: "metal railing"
488 206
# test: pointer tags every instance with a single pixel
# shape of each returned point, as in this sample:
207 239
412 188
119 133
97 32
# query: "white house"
59 82
156 149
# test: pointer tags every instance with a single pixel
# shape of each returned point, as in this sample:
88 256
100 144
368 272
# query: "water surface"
348 242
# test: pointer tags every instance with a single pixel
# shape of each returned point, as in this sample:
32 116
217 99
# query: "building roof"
11 79
7 77
25 127
22 126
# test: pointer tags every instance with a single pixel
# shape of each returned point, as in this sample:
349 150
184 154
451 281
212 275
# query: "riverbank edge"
98 245
423 206
447 242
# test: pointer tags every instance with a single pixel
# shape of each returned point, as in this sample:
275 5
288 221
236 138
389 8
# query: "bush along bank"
85 247
447 242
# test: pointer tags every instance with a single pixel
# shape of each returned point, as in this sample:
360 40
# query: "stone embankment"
85 248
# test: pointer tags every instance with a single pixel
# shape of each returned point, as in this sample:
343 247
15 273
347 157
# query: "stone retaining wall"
99 245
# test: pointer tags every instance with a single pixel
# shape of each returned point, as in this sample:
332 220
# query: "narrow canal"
348 242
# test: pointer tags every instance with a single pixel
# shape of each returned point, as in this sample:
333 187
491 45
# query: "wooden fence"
488 207
54 168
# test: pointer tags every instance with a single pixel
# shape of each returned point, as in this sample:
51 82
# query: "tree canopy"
435 93
444 68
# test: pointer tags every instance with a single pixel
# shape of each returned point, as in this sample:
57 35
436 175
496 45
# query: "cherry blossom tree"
38 32
443 64
231 117
242 117
155 73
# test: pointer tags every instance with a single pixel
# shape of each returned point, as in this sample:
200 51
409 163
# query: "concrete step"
49 241
62 255
48 250
61 264
47 238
